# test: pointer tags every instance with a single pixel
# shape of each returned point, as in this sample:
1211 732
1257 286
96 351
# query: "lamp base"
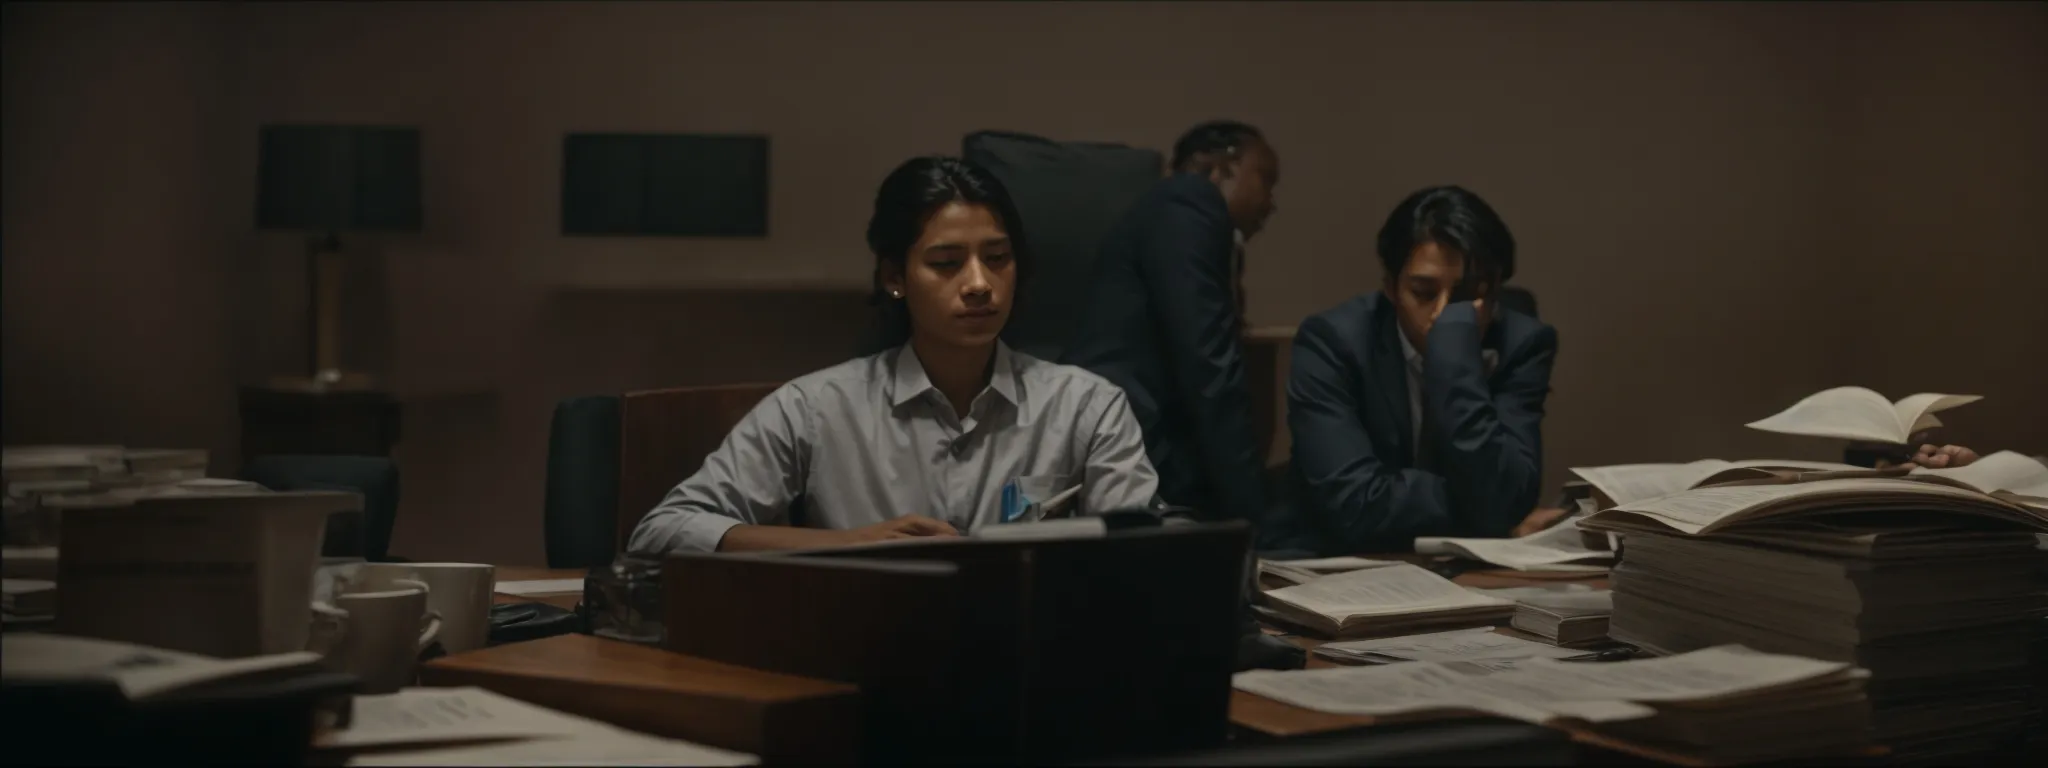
329 380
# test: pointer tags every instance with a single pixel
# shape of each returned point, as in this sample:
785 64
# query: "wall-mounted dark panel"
664 185
338 178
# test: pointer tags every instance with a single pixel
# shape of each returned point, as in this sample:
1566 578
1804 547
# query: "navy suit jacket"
1161 322
1356 486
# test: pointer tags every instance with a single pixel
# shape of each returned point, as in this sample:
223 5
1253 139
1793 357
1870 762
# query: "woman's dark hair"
909 196
1199 148
1452 218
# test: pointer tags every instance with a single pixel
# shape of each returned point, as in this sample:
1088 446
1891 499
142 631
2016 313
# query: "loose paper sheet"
540 587
1395 589
1457 645
539 736
1553 549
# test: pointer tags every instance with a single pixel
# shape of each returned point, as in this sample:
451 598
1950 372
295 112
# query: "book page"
2001 471
1850 413
614 748
1704 674
431 715
1395 589
1694 511
1332 564
1394 689
1553 549
140 671
1625 483
1916 412
1458 645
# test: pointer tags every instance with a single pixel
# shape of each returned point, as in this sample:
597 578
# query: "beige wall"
1722 207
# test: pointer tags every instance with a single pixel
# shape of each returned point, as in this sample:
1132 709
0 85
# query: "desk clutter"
1704 613
1760 610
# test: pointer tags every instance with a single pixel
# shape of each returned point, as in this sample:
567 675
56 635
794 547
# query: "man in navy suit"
1163 317
1417 410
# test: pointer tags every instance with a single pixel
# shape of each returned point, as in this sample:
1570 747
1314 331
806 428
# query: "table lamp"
324 180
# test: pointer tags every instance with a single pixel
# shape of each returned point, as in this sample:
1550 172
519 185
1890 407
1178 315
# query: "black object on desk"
267 723
520 622
1476 741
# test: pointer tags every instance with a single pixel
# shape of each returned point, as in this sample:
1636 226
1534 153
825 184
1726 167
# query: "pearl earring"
895 294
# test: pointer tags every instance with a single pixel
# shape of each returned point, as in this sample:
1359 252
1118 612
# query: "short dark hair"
1197 148
909 196
1453 218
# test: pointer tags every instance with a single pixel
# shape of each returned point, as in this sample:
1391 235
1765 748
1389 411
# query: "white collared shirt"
871 439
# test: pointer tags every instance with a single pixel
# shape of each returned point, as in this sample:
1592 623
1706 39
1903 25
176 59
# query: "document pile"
1481 646
1724 704
1304 571
1570 619
1927 585
1377 602
1558 548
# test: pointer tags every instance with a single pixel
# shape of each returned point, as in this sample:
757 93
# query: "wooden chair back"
664 435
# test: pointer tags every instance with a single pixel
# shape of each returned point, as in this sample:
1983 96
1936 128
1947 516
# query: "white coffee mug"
383 635
460 592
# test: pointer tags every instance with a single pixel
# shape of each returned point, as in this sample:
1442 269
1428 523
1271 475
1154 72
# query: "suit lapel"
1386 374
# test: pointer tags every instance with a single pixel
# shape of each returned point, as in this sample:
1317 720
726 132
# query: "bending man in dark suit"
1162 319
1417 410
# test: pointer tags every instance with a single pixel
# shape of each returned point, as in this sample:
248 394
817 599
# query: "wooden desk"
779 717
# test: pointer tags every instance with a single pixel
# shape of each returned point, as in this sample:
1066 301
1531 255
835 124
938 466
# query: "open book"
1724 704
1855 413
1391 600
1629 483
1709 510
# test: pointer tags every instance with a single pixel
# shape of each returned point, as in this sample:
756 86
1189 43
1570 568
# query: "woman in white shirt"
921 439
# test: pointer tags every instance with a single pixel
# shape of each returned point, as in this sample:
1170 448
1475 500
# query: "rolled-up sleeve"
753 478
1116 475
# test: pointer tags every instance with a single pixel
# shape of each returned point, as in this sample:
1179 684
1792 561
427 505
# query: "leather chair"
582 495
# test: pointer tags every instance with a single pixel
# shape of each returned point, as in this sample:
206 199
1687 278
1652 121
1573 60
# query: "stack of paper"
475 727
1303 571
141 672
1482 645
1573 619
1930 587
1376 602
1722 705
1558 548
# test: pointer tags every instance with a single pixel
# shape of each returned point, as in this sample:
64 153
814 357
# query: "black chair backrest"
1518 299
1070 194
582 499
367 535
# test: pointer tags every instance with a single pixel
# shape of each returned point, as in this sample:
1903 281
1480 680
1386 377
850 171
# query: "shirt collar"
911 381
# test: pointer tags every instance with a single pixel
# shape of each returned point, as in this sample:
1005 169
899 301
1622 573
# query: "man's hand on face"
905 527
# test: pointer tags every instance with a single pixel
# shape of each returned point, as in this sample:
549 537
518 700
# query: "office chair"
582 497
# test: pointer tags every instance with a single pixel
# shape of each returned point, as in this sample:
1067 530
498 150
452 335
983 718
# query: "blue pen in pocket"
1013 501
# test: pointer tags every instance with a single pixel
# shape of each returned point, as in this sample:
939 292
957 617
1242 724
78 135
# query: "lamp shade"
333 178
